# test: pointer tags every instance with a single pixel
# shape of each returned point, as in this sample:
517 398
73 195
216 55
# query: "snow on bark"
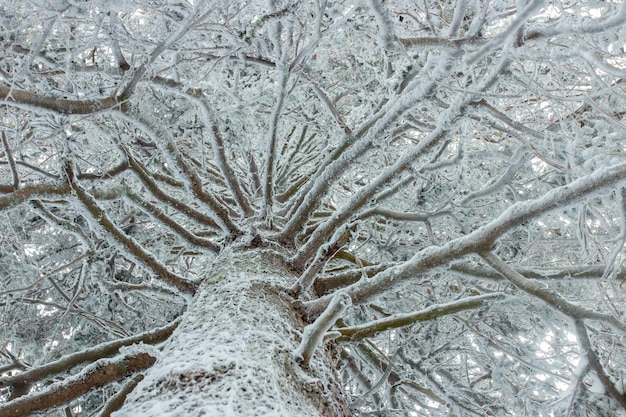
313 334
232 353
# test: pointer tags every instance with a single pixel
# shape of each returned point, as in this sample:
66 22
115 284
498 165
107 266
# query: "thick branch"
129 244
314 333
481 239
88 355
96 375
395 321
41 191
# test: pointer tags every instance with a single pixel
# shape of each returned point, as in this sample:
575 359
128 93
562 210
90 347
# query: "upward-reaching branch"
130 246
481 239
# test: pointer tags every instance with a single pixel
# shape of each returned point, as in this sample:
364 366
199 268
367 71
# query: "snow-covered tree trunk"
232 355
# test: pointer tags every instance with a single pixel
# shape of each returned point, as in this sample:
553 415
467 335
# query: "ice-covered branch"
505 37
166 144
24 194
594 362
117 400
515 164
481 239
541 291
386 29
88 355
396 215
395 321
12 166
128 244
325 252
270 151
313 334
445 123
12 96
358 143
96 375
539 273
217 141
563 26
159 215
173 36
363 195
164 197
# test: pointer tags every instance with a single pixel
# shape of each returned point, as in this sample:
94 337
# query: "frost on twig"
314 333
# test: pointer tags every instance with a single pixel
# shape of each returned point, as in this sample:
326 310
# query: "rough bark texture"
232 355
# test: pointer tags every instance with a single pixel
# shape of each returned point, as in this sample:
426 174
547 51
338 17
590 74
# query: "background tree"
312 208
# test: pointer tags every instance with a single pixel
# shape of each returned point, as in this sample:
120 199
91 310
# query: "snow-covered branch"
102 350
594 362
14 96
539 290
313 334
395 321
481 239
128 244
96 375
11 160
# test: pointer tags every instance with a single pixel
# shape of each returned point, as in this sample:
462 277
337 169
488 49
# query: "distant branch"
154 188
217 140
12 167
157 214
11 96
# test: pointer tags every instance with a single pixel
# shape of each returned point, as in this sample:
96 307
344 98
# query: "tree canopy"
445 181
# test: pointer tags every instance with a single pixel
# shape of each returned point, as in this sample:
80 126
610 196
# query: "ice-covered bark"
444 179
232 355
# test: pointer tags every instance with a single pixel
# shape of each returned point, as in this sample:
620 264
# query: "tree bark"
232 355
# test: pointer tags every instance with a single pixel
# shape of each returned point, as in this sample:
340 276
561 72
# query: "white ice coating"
232 354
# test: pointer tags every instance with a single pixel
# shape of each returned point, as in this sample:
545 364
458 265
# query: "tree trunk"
232 355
